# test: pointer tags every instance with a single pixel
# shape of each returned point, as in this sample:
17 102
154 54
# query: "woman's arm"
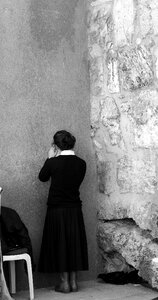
44 173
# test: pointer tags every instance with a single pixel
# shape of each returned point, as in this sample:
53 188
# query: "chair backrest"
0 195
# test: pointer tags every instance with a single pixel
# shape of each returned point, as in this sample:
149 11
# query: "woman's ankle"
73 281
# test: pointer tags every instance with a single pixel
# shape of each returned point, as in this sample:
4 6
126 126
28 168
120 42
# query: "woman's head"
64 140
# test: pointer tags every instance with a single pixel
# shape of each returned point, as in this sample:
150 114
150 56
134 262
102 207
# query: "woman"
64 245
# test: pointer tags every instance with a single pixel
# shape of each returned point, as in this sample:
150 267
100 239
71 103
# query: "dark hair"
64 140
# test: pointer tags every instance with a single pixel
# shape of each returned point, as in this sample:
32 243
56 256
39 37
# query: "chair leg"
30 277
12 277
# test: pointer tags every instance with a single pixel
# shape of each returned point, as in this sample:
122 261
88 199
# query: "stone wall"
123 59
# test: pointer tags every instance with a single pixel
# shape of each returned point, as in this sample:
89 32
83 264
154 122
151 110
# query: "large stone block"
95 112
141 109
156 62
110 117
147 136
135 246
135 68
139 207
96 76
144 14
106 174
100 23
109 109
113 76
123 18
154 13
136 175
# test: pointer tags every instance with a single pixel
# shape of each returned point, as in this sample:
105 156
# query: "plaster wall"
44 87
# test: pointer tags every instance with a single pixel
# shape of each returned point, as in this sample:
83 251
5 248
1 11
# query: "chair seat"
16 251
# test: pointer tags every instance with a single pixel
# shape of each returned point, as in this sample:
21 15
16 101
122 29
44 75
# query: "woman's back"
67 173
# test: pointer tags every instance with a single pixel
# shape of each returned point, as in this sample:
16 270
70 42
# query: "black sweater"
66 173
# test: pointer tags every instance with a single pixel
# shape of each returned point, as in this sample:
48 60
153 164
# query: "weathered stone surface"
154 13
144 13
100 2
123 17
106 173
135 246
95 112
139 207
113 206
114 262
100 23
95 50
109 109
147 136
96 76
142 106
113 79
110 118
136 175
124 119
156 63
135 68
142 110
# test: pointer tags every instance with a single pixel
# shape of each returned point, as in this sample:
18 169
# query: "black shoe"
73 287
62 289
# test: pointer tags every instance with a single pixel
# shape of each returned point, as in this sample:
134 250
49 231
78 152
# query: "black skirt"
64 244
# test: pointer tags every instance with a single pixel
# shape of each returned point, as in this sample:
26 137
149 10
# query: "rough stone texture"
123 16
156 63
154 13
144 13
113 78
96 76
142 111
136 176
141 208
110 118
135 68
124 121
114 261
95 112
100 24
134 245
106 172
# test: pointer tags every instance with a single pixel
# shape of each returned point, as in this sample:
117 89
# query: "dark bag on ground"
121 277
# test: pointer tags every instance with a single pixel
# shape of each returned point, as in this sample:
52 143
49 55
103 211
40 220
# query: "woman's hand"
53 152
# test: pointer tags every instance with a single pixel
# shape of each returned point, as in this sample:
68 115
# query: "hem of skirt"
64 204
63 270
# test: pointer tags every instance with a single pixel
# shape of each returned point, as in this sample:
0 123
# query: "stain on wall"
44 87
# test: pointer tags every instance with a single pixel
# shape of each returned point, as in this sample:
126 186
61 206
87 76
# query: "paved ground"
93 290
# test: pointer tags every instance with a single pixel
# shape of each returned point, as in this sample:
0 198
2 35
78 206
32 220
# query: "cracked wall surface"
123 59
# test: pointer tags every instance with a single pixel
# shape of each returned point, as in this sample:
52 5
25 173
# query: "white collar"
67 152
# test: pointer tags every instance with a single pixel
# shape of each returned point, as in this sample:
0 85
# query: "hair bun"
64 140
